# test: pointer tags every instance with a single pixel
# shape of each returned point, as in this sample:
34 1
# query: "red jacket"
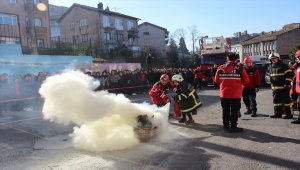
254 78
231 77
297 79
198 74
158 93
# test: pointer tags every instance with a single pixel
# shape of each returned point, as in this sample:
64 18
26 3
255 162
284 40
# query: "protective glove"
256 90
162 95
175 89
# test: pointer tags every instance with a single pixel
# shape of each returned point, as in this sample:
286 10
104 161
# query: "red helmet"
297 54
164 77
247 60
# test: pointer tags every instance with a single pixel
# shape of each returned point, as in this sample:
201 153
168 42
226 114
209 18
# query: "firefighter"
213 73
230 77
158 92
198 77
280 76
250 89
297 84
188 99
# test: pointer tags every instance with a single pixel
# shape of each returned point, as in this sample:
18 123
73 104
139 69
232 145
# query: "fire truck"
213 50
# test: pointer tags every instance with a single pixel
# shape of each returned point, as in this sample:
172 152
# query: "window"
40 43
106 22
9 40
83 22
55 32
37 22
145 33
130 25
130 38
36 1
120 37
9 1
84 37
74 39
72 25
8 19
107 36
119 24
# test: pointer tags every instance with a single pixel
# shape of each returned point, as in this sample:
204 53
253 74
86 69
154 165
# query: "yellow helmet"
273 55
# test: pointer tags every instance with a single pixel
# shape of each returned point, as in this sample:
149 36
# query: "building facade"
103 29
24 22
153 36
282 42
55 12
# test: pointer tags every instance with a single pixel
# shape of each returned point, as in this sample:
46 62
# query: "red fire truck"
213 50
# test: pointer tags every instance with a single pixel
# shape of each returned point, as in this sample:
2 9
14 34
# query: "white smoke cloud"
105 121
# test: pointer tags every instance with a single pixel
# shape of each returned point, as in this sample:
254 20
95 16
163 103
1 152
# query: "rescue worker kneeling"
187 99
280 77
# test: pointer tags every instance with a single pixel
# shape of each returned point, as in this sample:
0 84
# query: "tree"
172 53
194 36
182 46
179 33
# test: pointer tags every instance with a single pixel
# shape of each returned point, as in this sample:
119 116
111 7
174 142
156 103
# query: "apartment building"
153 36
24 22
55 13
103 29
282 41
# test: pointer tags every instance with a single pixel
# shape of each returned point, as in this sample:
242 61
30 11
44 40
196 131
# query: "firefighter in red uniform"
230 76
158 92
250 89
198 76
297 84
280 77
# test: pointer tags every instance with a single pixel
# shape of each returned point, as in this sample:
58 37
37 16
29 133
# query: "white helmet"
273 55
177 77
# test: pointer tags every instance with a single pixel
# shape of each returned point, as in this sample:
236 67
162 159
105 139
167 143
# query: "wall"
287 41
13 61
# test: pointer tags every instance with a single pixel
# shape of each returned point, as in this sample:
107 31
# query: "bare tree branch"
195 34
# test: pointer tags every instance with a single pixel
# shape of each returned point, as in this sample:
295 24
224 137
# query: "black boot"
248 112
296 121
276 116
288 116
182 120
253 114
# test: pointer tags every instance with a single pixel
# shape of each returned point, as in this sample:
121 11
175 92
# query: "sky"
213 18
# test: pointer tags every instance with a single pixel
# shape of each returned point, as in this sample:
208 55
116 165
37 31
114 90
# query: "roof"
147 23
96 10
269 36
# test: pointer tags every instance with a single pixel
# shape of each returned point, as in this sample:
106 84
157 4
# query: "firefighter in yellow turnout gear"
187 98
280 77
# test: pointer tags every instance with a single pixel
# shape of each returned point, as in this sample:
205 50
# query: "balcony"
109 28
133 43
41 31
9 30
133 31
109 41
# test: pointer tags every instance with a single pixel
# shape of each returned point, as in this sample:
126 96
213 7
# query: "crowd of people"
20 91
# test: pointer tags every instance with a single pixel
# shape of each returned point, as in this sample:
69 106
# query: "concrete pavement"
28 142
